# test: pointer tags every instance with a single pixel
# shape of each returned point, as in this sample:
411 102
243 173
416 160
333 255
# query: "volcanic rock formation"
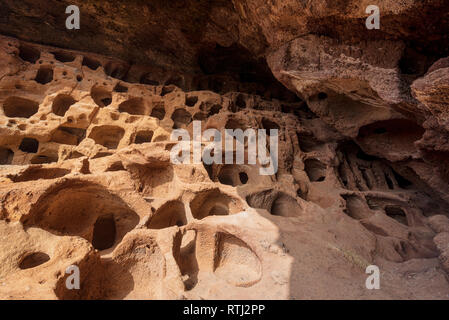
86 177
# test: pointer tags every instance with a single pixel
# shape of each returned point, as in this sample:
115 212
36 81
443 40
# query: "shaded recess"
397 134
63 56
229 174
116 70
185 255
28 53
356 207
315 170
143 136
235 68
181 118
91 63
191 100
81 208
6 156
235 261
169 214
360 171
44 75
158 112
275 202
135 106
36 173
104 232
269 125
62 103
68 135
46 157
29 145
101 96
16 107
440 159
153 179
214 202
308 142
107 135
397 213
33 260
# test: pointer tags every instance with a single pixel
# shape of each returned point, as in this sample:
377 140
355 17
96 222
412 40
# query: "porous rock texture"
86 177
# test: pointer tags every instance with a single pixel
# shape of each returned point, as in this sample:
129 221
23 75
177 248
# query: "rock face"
86 177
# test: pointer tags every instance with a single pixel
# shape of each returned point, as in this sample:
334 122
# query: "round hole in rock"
229 174
104 233
219 210
269 125
68 135
135 106
62 103
191 101
29 145
243 177
226 176
33 260
30 54
316 170
214 202
322 96
200 116
16 107
6 156
72 207
276 202
170 214
91 63
285 206
167 89
107 136
63 56
181 118
143 136
397 213
101 96
158 112
214 110
307 142
79 78
44 75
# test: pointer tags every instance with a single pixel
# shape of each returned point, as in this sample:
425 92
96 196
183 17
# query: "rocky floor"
86 179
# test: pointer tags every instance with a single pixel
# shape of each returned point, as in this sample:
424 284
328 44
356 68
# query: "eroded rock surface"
86 177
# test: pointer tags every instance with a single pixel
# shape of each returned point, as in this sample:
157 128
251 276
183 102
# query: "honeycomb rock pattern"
86 179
